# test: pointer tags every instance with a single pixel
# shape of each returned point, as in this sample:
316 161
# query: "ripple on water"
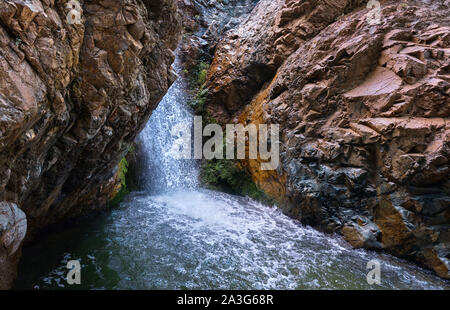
204 239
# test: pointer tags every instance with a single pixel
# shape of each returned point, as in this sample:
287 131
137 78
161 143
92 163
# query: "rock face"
13 227
73 96
215 17
205 23
363 109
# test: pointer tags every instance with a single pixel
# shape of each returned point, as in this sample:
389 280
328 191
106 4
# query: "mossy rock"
224 175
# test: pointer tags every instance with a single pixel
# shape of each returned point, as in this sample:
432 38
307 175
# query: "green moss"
122 173
198 102
197 77
198 74
19 43
202 72
123 170
119 197
224 175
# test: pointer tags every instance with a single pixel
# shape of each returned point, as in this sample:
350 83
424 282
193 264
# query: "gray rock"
13 227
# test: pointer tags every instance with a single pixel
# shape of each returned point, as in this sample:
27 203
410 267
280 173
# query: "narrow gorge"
93 94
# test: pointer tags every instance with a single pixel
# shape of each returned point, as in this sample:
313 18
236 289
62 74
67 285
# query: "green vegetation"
220 174
198 102
19 42
224 175
197 81
123 170
122 173
202 72
197 75
126 181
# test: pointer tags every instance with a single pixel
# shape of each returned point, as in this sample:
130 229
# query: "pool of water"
200 239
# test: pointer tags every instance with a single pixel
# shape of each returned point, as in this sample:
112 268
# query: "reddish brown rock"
363 111
363 234
74 96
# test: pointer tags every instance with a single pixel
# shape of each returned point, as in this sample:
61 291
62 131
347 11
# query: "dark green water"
207 240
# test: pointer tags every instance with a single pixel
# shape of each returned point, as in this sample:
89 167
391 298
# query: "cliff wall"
75 90
363 104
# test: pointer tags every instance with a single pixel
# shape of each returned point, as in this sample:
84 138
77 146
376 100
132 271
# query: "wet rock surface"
364 114
13 227
74 96
205 23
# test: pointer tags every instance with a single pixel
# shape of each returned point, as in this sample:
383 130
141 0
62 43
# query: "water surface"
207 240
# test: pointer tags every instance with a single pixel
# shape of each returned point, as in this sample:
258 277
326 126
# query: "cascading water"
174 235
161 172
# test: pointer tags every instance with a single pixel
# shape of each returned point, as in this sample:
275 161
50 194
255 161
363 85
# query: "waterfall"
161 172
175 235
